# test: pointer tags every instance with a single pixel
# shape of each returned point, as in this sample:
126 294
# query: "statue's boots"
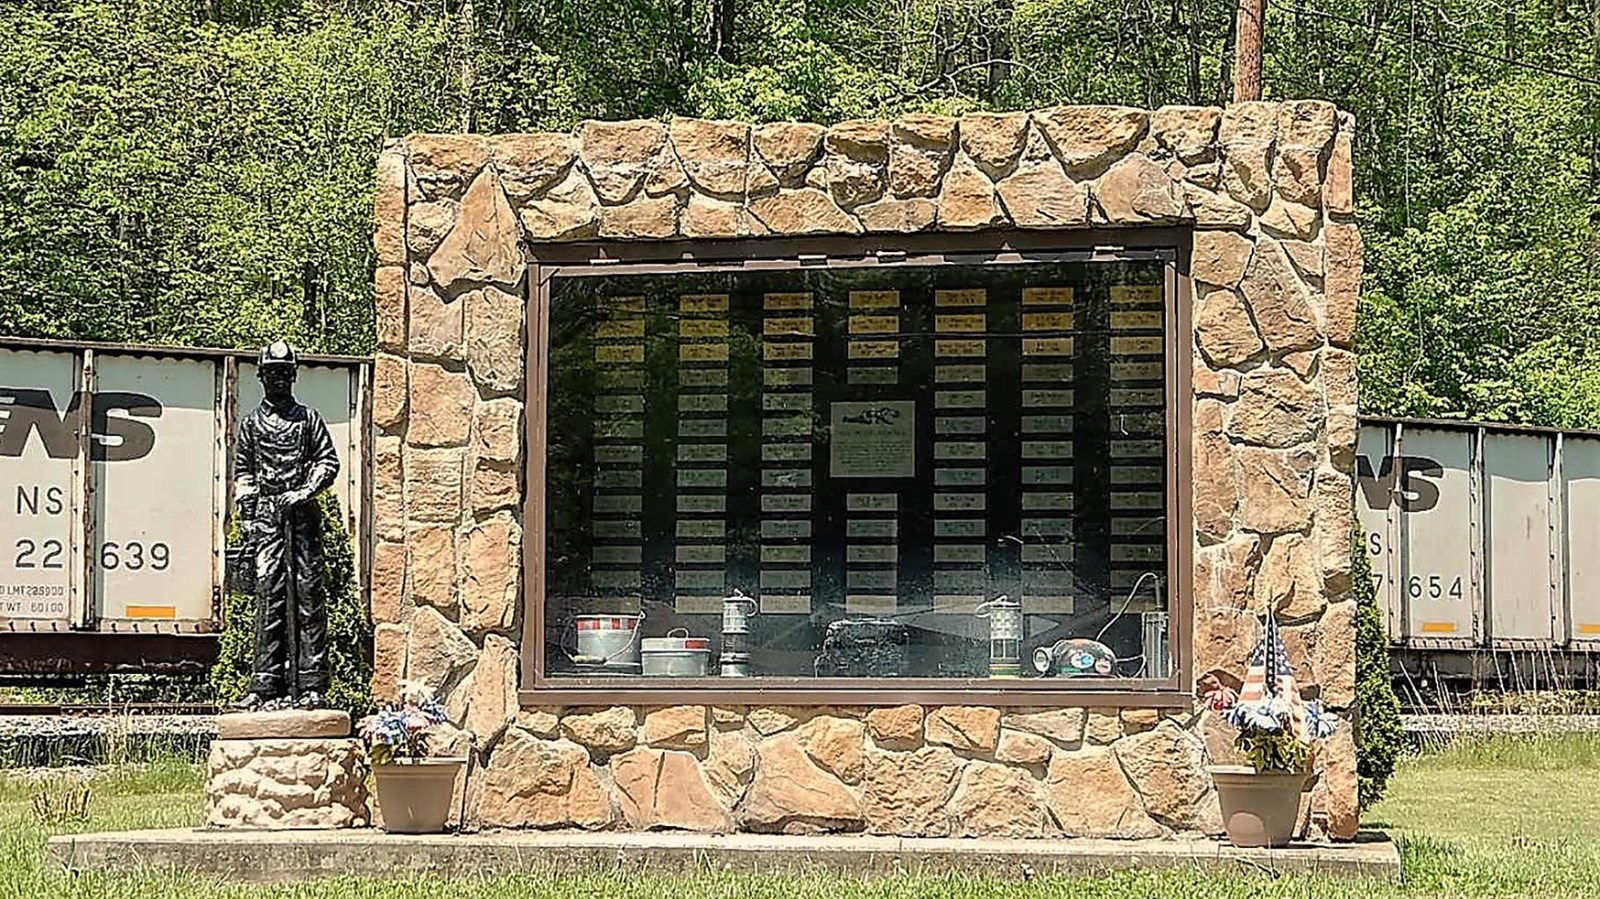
253 702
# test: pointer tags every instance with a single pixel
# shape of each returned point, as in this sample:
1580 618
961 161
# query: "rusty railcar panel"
1376 473
1435 473
41 475
1580 493
1519 517
155 500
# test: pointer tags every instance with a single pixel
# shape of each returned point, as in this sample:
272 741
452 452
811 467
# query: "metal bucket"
607 639
676 655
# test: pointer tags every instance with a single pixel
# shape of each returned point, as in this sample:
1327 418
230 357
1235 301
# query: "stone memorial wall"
1275 268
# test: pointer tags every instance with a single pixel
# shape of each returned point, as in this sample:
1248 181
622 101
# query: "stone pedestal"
282 770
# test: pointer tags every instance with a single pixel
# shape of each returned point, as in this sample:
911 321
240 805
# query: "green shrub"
1377 713
349 627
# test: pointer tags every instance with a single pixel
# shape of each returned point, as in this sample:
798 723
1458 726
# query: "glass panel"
913 471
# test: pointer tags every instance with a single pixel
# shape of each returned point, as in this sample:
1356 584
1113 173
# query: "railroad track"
85 710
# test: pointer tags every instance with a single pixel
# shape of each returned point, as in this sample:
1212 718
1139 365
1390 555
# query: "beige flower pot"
414 794
1258 809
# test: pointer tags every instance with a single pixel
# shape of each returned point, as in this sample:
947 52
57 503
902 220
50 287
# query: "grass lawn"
1504 817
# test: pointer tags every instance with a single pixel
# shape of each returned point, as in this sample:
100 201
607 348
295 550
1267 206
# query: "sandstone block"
1334 492
389 307
289 723
804 211
1339 376
920 150
389 209
427 224
994 140
997 801
1275 409
603 731
388 661
1276 489
388 391
568 211
856 161
1102 726
1251 120
444 164
431 566
1338 194
676 727
1089 796
531 782
530 164
898 216
906 793
497 430
491 567
792 795
897 727
283 783
1135 191
494 340
769 720
837 745
388 490
967 200
1342 284
388 582
1225 573
1087 138
1224 331
488 697
1220 257
715 155
495 488
437 653
1223 640
790 149
1291 578
1290 219
730 765
1246 172
666 790
1187 132
1064 726
1040 195
483 245
1020 748
1306 123
1209 382
447 397
434 329
618 155
1279 300
1297 176
1340 784
541 721
1167 767
968 728
1211 209
642 218
705 216
1217 485
1137 721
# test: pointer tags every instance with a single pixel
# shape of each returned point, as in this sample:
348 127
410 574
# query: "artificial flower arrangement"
400 730
1277 730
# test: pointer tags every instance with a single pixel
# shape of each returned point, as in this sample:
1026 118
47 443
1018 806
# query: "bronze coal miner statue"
284 458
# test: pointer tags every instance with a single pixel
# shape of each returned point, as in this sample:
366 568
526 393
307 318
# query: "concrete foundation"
291 855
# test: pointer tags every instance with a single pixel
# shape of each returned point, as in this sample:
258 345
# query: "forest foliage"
199 171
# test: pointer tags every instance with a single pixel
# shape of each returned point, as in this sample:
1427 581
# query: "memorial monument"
282 760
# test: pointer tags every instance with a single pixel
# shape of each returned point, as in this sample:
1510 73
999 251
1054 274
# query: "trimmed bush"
1377 712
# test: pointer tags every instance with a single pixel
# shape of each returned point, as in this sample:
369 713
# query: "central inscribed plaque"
873 440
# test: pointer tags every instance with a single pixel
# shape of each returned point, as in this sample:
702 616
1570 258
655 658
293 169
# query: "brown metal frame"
1171 245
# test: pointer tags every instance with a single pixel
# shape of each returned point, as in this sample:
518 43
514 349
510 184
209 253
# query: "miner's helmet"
278 353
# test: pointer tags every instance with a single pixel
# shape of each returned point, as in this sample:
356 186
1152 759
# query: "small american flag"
1269 673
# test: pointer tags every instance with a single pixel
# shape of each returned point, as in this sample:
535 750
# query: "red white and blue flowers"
1276 727
400 731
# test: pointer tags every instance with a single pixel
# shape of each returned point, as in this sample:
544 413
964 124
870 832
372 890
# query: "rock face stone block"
1264 190
290 782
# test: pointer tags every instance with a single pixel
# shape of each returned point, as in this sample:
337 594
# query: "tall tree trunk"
469 50
1193 69
721 15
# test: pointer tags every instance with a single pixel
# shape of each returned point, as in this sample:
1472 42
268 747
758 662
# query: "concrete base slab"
296 855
